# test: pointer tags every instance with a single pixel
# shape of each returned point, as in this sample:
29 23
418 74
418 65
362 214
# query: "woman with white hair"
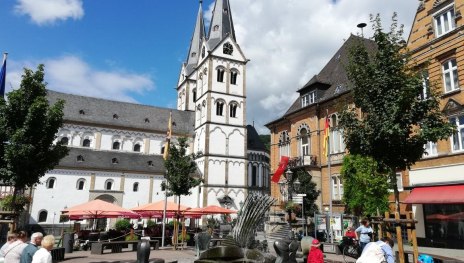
43 255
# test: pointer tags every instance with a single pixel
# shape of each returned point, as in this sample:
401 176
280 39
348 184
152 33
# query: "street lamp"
287 186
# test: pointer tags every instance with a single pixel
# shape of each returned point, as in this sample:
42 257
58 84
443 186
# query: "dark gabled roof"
254 143
103 160
94 111
332 80
195 44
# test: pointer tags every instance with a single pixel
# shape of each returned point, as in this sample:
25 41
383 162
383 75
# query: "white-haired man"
31 248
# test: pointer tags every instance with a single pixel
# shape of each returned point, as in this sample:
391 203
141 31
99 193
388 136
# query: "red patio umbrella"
156 209
438 217
210 210
98 209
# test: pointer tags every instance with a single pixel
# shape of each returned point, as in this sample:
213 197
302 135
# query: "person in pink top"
315 254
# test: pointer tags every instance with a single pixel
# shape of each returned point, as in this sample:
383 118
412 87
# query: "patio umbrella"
156 209
457 217
98 209
211 210
438 217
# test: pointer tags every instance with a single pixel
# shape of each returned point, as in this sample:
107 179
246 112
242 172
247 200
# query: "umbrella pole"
164 214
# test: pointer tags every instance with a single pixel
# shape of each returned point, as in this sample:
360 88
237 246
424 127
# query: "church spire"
221 23
195 44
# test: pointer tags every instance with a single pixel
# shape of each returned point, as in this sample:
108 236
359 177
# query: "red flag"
280 170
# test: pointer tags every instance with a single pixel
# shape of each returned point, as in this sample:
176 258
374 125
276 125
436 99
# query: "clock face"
228 49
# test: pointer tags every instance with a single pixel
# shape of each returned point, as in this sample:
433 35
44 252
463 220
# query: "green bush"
151 223
122 224
20 202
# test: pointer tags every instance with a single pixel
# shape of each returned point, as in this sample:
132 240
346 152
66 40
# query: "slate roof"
103 160
222 17
94 111
254 142
332 80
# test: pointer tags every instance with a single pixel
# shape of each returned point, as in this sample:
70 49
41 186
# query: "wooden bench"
97 248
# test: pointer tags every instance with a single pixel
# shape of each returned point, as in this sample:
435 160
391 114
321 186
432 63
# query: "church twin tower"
212 83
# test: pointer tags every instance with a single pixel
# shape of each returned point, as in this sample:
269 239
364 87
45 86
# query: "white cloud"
290 41
49 11
71 74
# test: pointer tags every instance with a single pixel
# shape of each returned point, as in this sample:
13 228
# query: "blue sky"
132 50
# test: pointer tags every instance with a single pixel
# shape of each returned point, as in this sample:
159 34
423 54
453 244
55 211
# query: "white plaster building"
116 147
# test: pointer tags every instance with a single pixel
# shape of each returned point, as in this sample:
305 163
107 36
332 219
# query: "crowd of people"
18 250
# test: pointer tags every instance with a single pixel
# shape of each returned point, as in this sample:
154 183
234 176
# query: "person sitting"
315 254
350 233
378 252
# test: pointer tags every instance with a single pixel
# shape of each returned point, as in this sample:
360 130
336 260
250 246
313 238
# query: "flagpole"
330 181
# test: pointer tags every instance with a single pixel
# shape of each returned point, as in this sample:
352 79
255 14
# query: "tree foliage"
309 188
365 186
28 127
181 170
395 123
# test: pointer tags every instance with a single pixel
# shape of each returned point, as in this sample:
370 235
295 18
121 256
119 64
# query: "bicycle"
350 249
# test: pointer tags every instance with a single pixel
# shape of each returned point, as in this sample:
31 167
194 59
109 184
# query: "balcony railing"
301 161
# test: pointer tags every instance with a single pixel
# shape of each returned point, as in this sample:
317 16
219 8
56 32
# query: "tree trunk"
394 183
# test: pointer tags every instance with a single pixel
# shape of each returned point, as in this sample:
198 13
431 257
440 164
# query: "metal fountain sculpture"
240 245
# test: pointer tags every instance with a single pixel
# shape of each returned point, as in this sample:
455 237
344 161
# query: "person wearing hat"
315 254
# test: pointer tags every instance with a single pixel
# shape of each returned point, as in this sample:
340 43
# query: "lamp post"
287 186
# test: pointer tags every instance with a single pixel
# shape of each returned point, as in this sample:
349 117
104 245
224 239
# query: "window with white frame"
399 182
42 216
305 145
337 144
137 147
233 77
308 99
86 143
51 182
220 74
135 187
337 187
284 144
219 108
444 21
450 75
457 139
80 185
233 110
109 184
64 141
430 149
116 145
425 85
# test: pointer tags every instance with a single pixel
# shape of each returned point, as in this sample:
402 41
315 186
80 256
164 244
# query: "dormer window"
308 99
444 21
194 54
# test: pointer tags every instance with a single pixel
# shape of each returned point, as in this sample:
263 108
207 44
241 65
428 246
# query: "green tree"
266 139
395 122
365 186
28 127
308 187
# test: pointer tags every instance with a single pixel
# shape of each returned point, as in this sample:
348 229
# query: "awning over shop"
449 194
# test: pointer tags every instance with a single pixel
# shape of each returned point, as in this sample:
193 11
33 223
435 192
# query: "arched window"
233 77
64 141
86 143
219 108
203 52
194 95
220 74
80 184
304 142
254 175
135 187
233 110
216 28
137 147
114 161
115 116
116 145
42 216
50 184
109 184
162 149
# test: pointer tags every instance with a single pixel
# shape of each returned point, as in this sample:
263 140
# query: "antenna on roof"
362 26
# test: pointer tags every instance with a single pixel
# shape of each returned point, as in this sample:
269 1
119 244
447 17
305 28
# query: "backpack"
372 253
423 258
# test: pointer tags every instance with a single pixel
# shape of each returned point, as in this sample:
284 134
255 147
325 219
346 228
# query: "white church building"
116 148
